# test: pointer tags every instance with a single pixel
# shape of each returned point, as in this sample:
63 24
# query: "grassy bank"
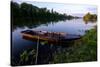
83 50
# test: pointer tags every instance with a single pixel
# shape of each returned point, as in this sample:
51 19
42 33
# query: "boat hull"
49 40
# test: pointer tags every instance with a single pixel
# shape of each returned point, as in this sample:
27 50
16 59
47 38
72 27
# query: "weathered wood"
49 36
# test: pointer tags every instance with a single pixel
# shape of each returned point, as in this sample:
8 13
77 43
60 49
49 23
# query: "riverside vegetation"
28 14
81 50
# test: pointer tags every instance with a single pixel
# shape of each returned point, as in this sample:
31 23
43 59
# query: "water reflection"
88 21
22 46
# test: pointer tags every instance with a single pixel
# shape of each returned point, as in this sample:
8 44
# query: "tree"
90 17
28 12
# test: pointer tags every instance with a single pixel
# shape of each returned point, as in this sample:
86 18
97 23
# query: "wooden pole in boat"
37 50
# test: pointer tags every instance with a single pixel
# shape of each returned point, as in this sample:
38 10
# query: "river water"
45 52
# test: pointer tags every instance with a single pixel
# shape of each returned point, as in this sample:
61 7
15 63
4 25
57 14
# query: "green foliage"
29 13
90 17
27 57
44 42
24 56
84 51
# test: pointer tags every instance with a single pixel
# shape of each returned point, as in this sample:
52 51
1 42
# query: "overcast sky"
63 8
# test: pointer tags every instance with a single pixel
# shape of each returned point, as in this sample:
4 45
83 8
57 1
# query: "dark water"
46 52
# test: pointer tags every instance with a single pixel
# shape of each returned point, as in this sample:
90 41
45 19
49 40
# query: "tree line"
25 11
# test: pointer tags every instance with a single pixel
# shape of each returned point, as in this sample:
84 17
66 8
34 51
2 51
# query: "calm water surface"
75 26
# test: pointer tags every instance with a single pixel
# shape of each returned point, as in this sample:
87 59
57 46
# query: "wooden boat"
49 36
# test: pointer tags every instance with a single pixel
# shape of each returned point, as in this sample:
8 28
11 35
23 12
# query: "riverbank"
82 51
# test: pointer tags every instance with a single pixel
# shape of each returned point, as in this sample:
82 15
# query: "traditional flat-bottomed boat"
54 37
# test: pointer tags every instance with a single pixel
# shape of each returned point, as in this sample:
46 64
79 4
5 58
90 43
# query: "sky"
63 8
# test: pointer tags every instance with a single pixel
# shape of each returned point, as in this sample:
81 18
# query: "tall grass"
82 50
